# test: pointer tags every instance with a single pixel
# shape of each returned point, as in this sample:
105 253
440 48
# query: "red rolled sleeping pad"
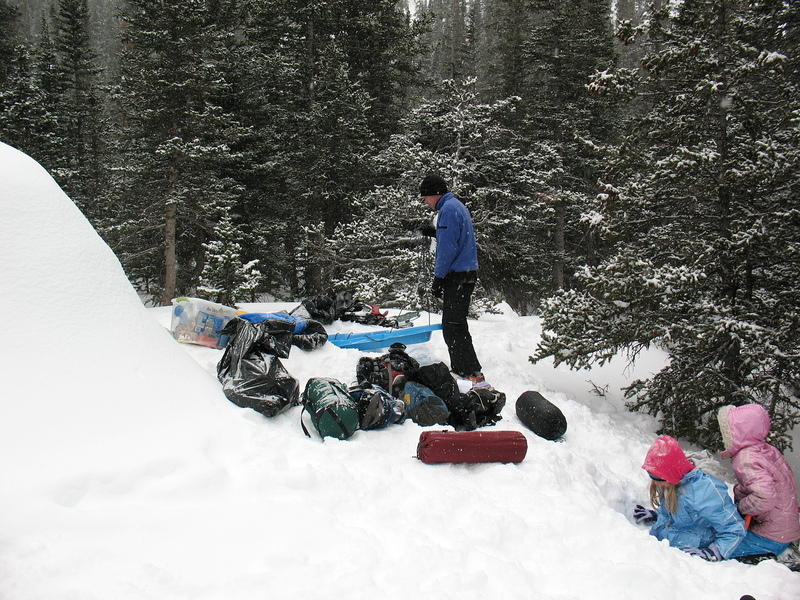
471 447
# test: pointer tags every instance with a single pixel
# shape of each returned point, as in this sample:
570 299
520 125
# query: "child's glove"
643 516
710 554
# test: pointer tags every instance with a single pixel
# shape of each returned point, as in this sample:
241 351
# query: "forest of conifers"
631 166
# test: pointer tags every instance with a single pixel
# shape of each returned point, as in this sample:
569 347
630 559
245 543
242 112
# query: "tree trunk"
170 228
558 262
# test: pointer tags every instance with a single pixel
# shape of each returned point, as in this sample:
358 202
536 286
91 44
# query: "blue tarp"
299 323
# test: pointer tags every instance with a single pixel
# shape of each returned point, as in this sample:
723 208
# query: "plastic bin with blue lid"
199 321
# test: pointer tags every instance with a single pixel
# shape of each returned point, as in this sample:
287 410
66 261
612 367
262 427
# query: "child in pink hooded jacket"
693 510
766 488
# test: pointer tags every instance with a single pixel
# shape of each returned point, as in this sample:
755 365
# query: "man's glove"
437 289
710 554
643 516
427 230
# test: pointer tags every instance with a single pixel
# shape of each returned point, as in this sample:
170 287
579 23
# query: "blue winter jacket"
706 515
456 249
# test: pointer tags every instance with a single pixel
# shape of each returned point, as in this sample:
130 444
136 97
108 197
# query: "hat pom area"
665 459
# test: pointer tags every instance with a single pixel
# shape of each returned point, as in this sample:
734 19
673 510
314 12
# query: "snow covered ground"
126 474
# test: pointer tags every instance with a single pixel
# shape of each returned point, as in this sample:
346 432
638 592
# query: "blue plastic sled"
375 340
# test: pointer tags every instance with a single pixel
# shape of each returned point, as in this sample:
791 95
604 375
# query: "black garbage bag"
307 333
312 336
271 336
250 371
330 306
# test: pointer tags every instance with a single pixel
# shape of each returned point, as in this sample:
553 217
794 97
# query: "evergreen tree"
175 143
507 25
337 153
27 120
571 41
267 92
313 123
8 22
80 112
225 279
448 49
380 46
50 151
700 203
544 52
503 186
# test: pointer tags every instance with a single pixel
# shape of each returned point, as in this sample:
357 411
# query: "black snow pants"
458 288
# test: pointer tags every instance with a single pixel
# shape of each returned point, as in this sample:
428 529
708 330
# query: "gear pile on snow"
330 306
390 388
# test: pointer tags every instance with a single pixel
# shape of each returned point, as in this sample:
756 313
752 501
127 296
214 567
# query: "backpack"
382 371
400 362
333 412
373 371
479 407
437 377
376 407
423 406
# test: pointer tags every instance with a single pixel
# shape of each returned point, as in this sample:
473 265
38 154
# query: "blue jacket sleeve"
713 504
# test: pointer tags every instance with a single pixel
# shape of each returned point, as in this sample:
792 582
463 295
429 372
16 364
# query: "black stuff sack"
376 407
541 416
251 374
333 411
479 407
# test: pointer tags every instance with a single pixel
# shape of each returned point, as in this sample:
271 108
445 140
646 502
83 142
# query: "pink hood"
666 460
747 425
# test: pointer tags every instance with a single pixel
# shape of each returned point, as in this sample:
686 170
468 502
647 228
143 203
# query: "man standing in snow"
455 273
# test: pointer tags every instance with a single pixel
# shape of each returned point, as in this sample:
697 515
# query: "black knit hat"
432 185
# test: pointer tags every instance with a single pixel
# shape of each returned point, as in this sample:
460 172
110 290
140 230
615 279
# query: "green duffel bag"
333 412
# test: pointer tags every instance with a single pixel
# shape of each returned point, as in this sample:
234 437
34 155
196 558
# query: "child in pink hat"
692 509
766 488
